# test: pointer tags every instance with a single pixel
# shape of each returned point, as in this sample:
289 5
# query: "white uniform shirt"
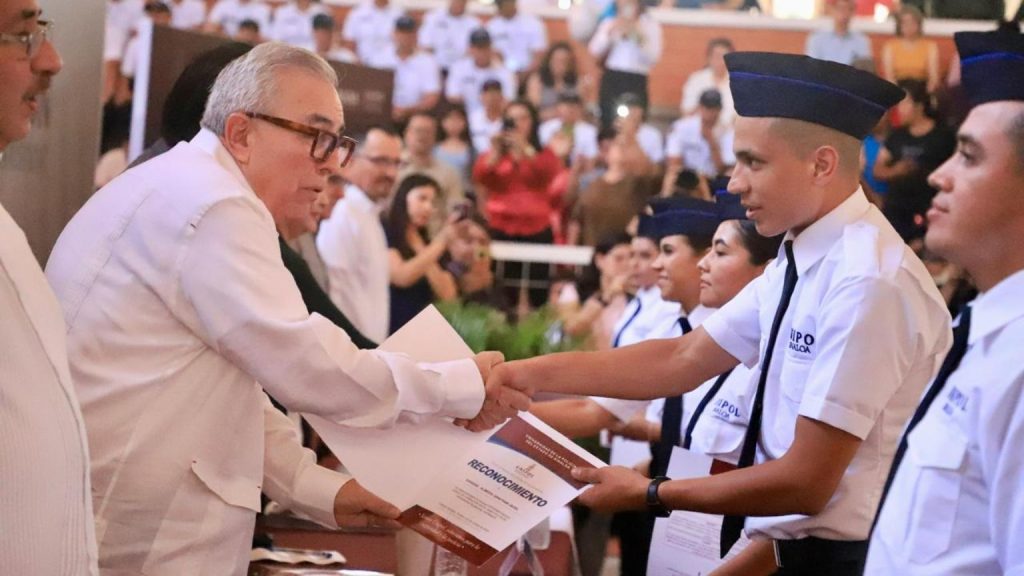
228 14
685 141
45 499
482 129
355 249
447 36
584 137
465 80
722 426
121 19
651 142
187 14
294 26
955 506
670 328
371 29
637 54
179 313
701 81
865 331
517 39
415 76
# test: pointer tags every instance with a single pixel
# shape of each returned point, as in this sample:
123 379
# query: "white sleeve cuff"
717 327
820 409
315 491
462 386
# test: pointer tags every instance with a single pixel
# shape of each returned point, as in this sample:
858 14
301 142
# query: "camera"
508 124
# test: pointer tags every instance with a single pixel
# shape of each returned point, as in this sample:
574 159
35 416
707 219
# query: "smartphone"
508 124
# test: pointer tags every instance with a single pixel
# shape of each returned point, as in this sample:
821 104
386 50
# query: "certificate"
687 543
471 493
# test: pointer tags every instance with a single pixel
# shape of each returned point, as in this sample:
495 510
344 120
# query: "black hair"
397 220
546 78
323 22
917 90
719 42
534 136
761 248
183 109
250 24
590 278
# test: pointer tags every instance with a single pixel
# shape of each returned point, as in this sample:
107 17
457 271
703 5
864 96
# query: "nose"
47 61
939 179
703 264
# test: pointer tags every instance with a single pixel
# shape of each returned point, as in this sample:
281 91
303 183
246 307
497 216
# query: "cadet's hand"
357 507
614 488
502 399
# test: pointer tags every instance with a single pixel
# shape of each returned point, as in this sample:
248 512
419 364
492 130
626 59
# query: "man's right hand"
502 399
357 507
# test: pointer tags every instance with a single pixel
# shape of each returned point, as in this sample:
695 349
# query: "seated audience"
369 28
417 75
714 75
470 263
467 76
293 23
445 32
569 121
910 56
187 14
603 292
249 32
417 273
324 41
226 16
700 142
631 124
519 37
486 120
840 44
557 74
627 45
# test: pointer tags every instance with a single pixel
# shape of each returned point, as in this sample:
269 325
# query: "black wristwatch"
654 503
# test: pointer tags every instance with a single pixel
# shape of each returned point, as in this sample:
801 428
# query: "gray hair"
249 83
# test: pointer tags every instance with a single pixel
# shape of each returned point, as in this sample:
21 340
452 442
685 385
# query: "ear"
826 164
237 137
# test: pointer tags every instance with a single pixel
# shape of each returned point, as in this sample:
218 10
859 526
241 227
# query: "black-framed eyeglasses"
32 41
324 143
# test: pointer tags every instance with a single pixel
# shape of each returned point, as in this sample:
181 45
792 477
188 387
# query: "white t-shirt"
701 81
294 26
415 77
637 53
482 129
465 79
228 14
865 330
686 142
447 36
517 39
187 14
371 29
584 136
651 142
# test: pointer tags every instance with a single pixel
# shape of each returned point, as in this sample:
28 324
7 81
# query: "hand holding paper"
614 488
357 507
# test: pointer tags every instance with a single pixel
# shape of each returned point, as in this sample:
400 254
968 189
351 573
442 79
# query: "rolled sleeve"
462 387
860 365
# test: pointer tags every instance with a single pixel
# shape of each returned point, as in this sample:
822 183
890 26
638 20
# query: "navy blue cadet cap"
837 96
684 216
645 227
991 65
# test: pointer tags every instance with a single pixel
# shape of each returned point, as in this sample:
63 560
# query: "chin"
938 242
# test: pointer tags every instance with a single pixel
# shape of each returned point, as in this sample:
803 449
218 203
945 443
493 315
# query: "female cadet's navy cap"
685 216
837 96
991 65
729 207
645 227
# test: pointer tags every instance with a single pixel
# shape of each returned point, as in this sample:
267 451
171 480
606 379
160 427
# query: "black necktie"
732 526
671 421
618 337
949 365
688 438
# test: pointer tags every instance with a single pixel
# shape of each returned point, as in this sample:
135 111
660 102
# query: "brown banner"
517 435
447 535
365 92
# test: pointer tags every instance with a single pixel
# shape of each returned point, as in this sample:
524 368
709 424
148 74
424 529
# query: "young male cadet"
953 504
847 326
180 312
45 504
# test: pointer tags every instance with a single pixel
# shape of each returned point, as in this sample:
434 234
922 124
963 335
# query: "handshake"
503 397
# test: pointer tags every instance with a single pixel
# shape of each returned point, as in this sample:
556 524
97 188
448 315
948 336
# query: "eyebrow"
323 121
747 156
720 242
24 16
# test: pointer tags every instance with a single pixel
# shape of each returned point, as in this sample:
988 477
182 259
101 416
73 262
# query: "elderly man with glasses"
45 505
182 318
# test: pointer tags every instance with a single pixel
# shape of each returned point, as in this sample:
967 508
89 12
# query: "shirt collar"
355 196
816 240
998 307
210 143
